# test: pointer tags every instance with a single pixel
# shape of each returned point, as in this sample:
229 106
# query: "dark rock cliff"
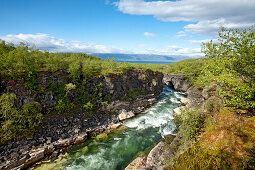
61 130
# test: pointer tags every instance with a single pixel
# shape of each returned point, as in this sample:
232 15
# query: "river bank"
171 146
61 130
115 150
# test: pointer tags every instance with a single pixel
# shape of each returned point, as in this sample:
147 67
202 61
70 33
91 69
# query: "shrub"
31 117
133 94
70 86
189 122
18 121
213 104
63 105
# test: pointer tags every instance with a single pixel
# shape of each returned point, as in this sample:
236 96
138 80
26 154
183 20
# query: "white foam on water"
107 158
167 130
159 114
174 100
179 95
98 160
116 138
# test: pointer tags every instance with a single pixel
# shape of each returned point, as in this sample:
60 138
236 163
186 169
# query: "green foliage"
232 67
70 86
227 142
63 105
109 65
133 94
16 121
189 122
31 81
191 67
30 117
88 107
213 104
94 100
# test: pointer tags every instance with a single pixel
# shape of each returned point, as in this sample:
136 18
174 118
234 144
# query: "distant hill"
141 58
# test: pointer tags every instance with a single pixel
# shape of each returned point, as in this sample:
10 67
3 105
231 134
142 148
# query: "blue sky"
121 26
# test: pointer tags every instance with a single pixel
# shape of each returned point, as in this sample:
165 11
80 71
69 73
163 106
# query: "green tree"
232 66
16 121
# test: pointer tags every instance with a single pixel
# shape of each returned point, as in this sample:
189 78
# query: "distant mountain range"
141 58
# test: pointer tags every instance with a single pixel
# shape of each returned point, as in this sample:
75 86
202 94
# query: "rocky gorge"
58 131
167 151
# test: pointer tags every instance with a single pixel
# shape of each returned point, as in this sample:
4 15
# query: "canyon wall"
128 93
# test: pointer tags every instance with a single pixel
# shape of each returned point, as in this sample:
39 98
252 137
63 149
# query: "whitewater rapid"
119 149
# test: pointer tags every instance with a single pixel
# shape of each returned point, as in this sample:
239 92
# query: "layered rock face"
61 130
117 86
177 81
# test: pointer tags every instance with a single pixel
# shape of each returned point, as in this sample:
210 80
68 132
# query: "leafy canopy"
232 66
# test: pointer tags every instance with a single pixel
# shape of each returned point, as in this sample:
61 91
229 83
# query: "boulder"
156 157
178 110
185 101
63 142
209 91
125 115
81 138
137 163
195 95
35 156
114 126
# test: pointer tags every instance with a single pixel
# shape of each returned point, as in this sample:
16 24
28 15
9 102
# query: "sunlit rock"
125 115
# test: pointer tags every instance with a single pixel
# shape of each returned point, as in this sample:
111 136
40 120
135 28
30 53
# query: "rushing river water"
119 148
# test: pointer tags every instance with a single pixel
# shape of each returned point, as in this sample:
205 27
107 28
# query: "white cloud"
212 27
181 34
50 43
208 14
202 41
147 34
173 50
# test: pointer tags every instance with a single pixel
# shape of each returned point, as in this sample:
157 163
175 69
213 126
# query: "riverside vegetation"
221 133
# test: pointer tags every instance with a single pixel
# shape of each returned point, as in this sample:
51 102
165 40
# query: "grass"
228 142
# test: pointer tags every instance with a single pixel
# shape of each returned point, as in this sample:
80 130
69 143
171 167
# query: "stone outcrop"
59 131
116 86
138 163
185 101
178 110
125 115
156 157
177 81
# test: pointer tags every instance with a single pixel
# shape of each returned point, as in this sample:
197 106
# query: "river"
117 149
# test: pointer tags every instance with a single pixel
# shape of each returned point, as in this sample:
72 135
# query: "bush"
213 104
18 121
133 94
189 122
